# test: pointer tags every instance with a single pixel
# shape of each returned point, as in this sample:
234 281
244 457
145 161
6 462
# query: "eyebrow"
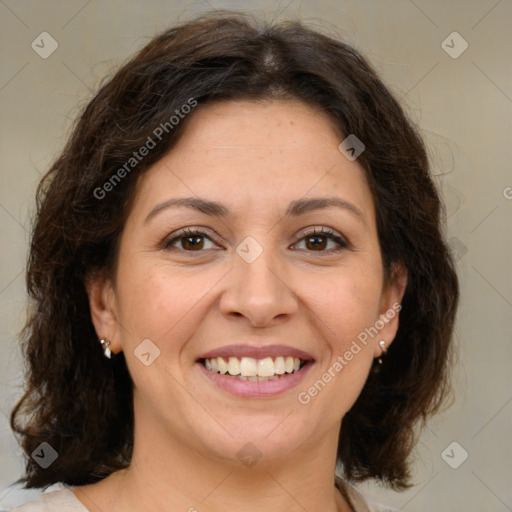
295 208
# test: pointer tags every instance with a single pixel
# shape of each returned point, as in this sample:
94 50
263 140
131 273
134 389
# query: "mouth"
246 371
252 369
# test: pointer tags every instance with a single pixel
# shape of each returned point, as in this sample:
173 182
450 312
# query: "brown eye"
317 241
189 240
192 242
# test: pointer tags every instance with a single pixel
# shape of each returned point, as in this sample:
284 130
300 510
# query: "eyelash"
323 232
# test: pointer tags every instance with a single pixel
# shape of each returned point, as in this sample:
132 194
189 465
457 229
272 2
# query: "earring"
382 344
105 344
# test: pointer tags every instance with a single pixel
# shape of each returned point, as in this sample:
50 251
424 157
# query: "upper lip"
258 352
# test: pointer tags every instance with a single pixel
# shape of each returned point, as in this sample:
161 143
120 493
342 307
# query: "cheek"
161 303
346 302
347 305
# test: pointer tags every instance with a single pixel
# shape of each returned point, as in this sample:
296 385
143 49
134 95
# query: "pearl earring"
382 344
105 344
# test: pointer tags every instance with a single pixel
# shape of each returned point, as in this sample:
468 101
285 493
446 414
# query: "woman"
240 283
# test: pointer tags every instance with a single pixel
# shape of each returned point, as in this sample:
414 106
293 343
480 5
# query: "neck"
172 476
275 487
178 472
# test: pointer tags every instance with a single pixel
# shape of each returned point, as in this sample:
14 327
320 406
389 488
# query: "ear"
390 307
101 293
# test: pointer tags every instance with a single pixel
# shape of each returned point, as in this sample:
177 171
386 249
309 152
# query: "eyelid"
330 233
324 231
317 230
192 231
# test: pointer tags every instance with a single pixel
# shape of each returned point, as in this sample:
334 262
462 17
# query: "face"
270 261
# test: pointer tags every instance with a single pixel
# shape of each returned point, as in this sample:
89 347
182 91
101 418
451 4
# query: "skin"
188 301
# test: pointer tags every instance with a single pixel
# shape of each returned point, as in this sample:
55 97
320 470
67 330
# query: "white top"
59 498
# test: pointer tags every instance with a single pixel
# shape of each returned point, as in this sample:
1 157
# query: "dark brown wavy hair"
80 402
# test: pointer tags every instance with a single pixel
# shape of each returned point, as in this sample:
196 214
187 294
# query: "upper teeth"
250 367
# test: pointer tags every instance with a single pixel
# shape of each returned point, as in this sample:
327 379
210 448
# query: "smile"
254 370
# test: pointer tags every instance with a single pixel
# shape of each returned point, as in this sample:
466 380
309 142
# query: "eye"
317 240
194 240
189 240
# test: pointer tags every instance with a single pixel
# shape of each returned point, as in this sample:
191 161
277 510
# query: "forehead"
256 154
260 128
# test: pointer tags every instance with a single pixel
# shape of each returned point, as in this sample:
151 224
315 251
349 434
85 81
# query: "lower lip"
249 389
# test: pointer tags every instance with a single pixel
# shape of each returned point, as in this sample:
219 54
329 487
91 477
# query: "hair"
80 402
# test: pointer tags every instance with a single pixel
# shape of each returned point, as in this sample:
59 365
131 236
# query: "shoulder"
359 501
55 499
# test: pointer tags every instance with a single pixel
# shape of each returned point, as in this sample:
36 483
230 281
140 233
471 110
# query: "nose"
259 291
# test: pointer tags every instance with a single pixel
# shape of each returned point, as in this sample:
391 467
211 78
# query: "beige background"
464 107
